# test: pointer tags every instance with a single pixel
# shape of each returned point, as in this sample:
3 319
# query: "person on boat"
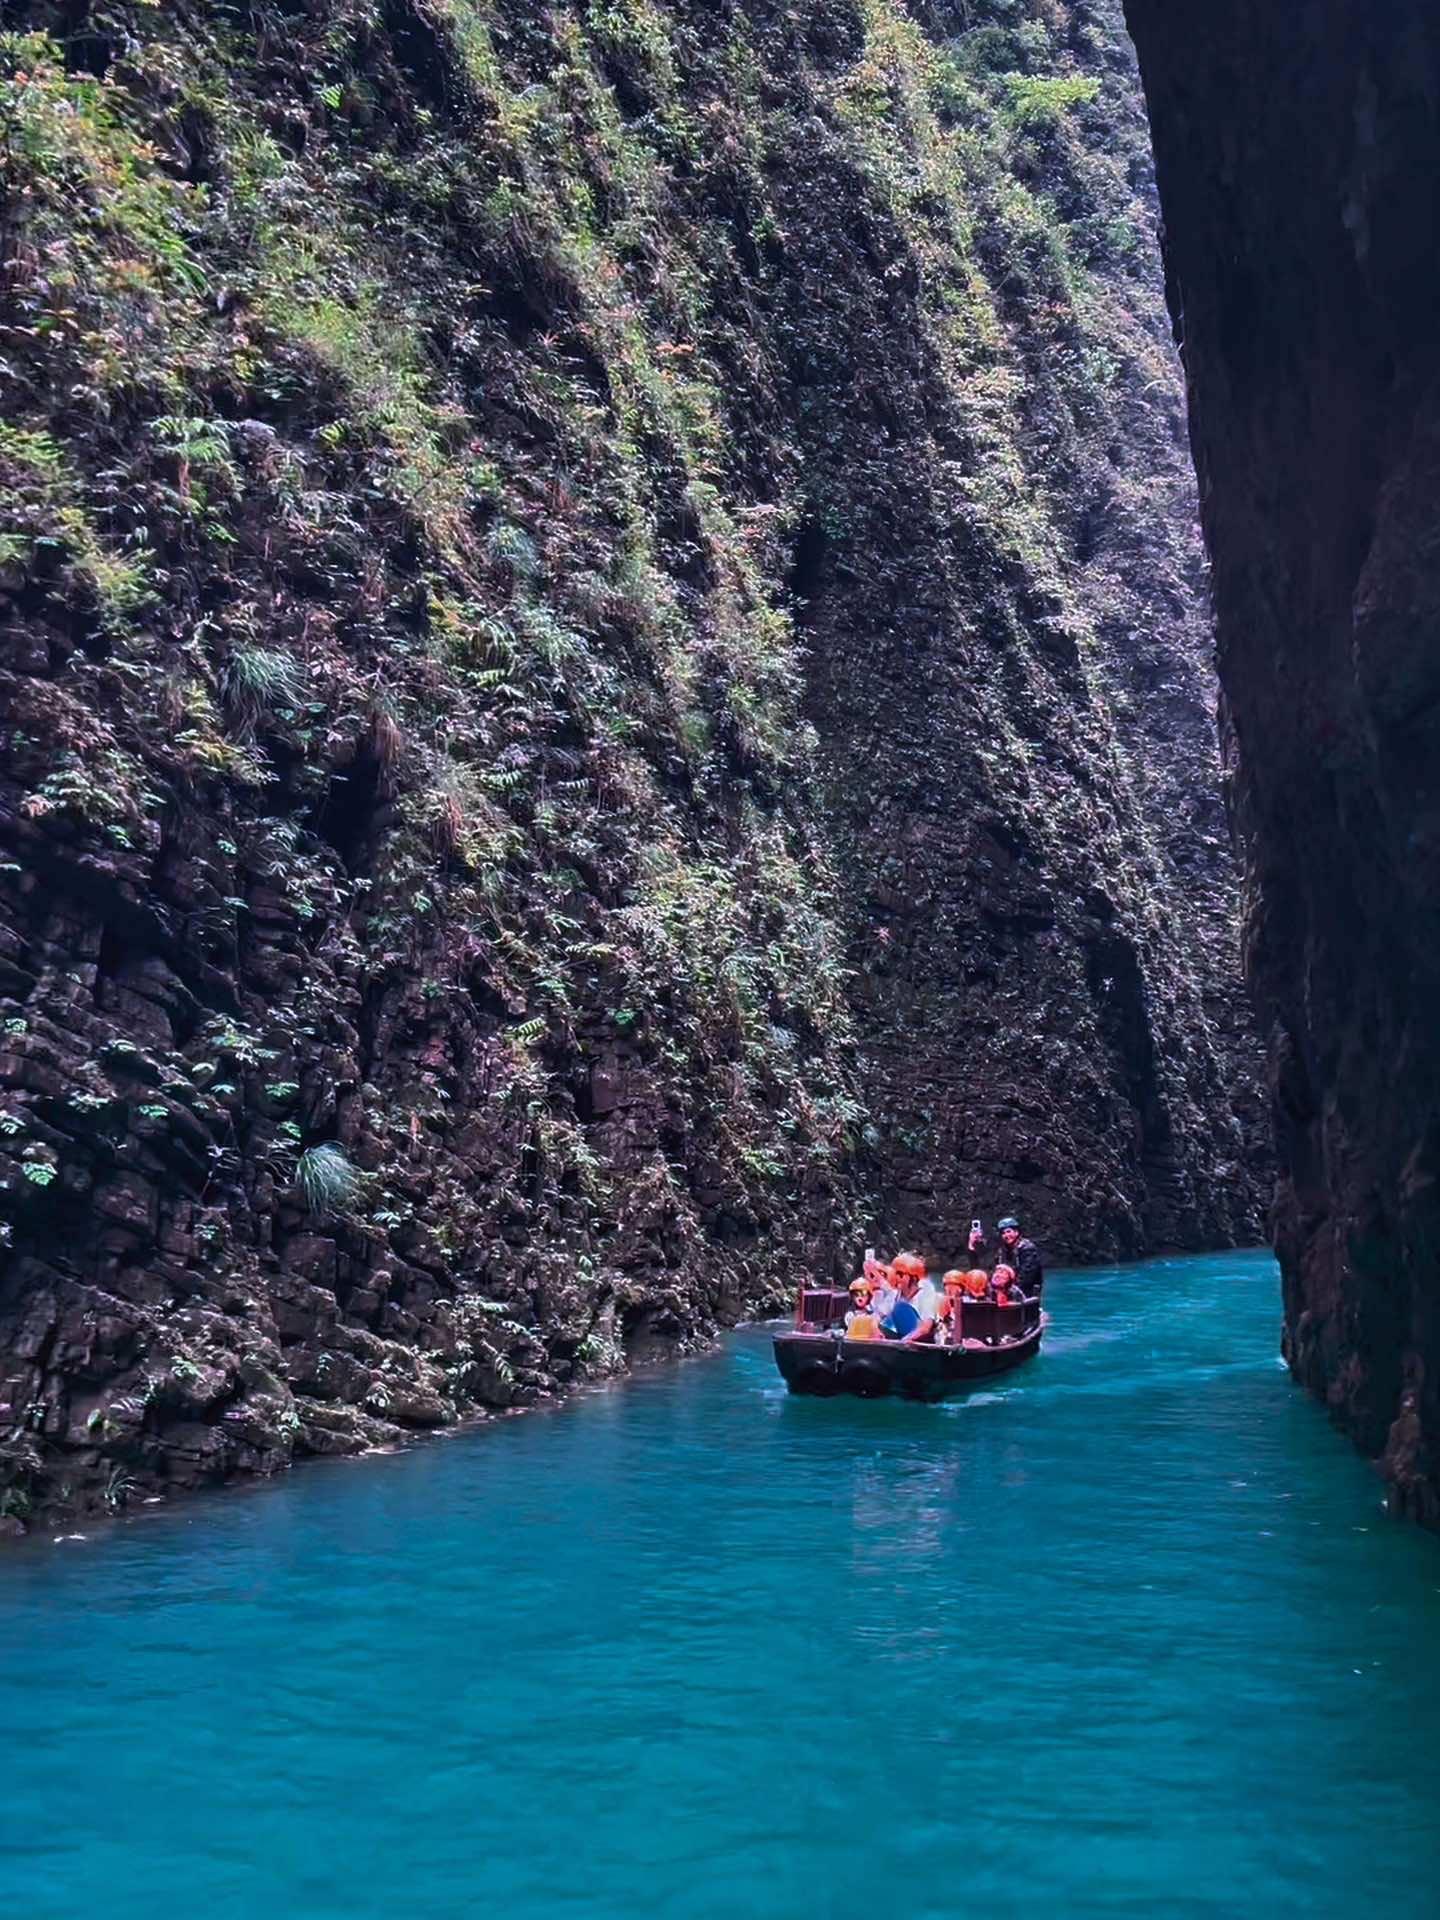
902 1319
882 1287
906 1270
860 1321
948 1318
926 1302
1024 1256
1004 1288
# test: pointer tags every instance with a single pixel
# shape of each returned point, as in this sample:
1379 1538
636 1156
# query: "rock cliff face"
1001 585
1297 152
604 671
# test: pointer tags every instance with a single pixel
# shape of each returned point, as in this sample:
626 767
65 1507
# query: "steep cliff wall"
1001 585
1297 152
603 661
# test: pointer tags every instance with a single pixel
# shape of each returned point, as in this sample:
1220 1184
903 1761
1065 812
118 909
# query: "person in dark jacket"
1024 1256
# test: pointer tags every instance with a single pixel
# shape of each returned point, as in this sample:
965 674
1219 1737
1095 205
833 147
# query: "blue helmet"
1009 1224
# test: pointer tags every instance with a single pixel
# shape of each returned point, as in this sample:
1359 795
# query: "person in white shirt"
883 1295
914 1315
926 1302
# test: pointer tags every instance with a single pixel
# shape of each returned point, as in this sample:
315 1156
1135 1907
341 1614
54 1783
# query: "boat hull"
825 1364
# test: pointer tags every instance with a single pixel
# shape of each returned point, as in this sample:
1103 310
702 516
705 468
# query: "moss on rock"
605 671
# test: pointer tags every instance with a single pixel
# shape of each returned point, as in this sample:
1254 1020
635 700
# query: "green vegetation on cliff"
471 476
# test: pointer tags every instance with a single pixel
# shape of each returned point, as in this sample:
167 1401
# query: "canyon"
606 684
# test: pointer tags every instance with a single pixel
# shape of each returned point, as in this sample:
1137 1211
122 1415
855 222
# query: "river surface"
1126 1635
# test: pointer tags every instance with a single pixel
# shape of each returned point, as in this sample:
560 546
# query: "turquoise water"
1127 1635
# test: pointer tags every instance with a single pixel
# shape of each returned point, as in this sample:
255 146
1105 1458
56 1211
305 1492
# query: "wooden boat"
816 1358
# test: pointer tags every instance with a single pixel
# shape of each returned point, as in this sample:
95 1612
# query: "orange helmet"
910 1263
954 1281
975 1281
862 1285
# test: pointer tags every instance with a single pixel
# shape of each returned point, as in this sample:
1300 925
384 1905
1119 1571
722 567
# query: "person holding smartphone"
1021 1253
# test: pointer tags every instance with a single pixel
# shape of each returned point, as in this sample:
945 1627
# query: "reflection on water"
1125 1634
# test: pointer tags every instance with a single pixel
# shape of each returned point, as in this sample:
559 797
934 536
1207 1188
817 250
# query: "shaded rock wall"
1297 152
1002 586
603 670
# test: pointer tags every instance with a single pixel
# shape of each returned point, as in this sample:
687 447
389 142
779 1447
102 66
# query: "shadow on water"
1125 1634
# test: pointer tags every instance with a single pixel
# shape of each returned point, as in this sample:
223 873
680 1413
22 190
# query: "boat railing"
990 1321
823 1310
819 1309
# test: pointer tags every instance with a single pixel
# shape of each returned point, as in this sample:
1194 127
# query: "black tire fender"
816 1376
865 1379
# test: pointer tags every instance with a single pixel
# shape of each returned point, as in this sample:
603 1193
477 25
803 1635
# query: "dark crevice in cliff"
347 818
